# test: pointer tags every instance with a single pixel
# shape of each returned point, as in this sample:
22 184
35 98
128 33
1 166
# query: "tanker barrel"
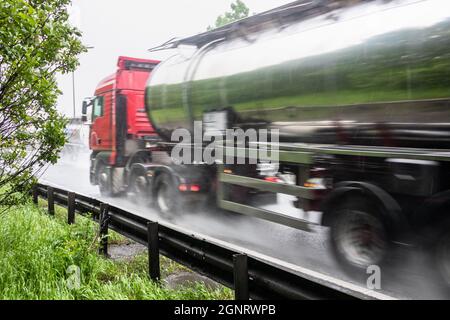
363 73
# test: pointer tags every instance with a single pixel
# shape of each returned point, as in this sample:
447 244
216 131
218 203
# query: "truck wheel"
138 189
167 197
107 186
103 178
358 236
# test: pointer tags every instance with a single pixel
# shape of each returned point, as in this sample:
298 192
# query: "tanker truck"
358 96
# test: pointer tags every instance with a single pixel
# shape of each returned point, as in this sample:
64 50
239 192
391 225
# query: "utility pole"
73 88
73 93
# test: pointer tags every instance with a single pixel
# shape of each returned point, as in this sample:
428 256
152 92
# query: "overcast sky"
130 27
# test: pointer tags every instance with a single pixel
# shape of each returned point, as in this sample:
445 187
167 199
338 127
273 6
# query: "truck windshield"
97 111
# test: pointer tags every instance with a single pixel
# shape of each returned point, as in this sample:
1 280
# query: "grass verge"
41 257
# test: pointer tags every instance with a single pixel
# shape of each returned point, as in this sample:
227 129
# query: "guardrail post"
103 232
50 201
240 273
35 194
153 251
71 207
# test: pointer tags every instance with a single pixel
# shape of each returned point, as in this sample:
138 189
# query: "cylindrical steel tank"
375 73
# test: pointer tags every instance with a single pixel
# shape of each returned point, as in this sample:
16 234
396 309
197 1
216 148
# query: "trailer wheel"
359 237
167 197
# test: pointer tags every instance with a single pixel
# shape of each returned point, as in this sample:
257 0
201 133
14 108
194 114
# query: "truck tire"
106 184
440 252
103 177
358 236
138 189
166 196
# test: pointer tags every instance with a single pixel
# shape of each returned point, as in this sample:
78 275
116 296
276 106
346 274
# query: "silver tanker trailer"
371 74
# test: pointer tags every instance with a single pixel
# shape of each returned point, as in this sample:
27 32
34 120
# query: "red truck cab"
119 124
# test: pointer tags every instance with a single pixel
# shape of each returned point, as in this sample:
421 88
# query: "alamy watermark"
374 280
228 146
73 280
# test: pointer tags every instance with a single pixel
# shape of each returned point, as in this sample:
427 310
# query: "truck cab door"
100 133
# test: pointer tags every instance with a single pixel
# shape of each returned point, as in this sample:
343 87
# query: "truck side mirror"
84 110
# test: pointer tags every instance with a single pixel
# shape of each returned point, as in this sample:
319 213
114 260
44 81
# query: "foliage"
36 42
37 250
238 11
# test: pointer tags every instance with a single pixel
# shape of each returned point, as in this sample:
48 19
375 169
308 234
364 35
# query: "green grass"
36 250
